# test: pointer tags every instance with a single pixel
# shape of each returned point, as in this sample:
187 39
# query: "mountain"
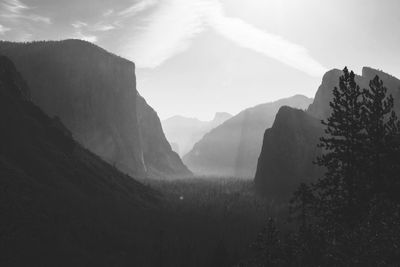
157 153
60 203
232 148
289 146
185 132
288 150
94 93
320 107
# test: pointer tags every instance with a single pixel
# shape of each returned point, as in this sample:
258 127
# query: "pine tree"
343 151
382 146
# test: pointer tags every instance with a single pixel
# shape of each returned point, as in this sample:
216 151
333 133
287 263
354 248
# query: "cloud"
14 6
138 7
90 32
270 45
15 10
3 29
80 32
173 24
167 31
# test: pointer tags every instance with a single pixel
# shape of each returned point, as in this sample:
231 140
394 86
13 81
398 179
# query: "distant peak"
219 115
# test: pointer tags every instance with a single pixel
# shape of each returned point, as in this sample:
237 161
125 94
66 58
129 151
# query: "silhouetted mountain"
289 147
185 132
320 107
60 204
232 148
288 150
94 93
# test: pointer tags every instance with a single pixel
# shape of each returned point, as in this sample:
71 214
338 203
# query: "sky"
198 57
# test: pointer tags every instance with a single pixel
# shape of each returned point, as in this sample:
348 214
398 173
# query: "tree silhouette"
343 157
382 146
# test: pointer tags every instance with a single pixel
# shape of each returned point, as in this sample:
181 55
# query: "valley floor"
207 221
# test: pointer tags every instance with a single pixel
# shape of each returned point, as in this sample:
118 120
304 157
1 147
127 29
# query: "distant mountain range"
183 132
94 93
232 148
57 198
290 145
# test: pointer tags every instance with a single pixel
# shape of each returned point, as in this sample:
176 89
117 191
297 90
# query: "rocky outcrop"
94 93
185 132
290 145
232 148
320 107
288 151
160 160
57 198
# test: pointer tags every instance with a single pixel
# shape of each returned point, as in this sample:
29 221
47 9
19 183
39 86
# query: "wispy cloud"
138 7
14 6
16 10
81 34
167 31
270 45
173 24
3 29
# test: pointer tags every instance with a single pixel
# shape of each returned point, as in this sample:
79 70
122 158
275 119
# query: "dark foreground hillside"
59 202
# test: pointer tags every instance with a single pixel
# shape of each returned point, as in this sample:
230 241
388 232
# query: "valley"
89 177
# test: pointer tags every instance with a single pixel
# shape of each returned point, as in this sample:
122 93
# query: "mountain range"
183 132
232 148
93 92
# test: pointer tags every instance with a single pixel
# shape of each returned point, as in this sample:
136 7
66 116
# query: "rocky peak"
220 117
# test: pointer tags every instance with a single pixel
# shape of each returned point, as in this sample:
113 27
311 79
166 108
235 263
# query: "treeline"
351 216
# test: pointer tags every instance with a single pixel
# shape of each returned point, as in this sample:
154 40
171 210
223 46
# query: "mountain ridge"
184 132
232 148
94 93
58 199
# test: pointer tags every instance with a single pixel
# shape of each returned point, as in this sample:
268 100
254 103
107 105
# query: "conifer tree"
343 151
382 146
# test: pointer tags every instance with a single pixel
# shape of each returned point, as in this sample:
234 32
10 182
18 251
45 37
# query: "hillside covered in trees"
350 215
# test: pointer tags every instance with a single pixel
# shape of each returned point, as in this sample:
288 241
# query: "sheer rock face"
289 146
157 152
288 150
232 148
57 198
93 92
320 107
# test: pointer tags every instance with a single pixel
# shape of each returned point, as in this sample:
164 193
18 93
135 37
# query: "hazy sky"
196 57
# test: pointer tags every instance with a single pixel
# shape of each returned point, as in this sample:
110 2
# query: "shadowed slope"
60 203
94 93
288 150
290 145
232 148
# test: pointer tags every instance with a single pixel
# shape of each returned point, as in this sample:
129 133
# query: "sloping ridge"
232 148
185 132
60 204
94 94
